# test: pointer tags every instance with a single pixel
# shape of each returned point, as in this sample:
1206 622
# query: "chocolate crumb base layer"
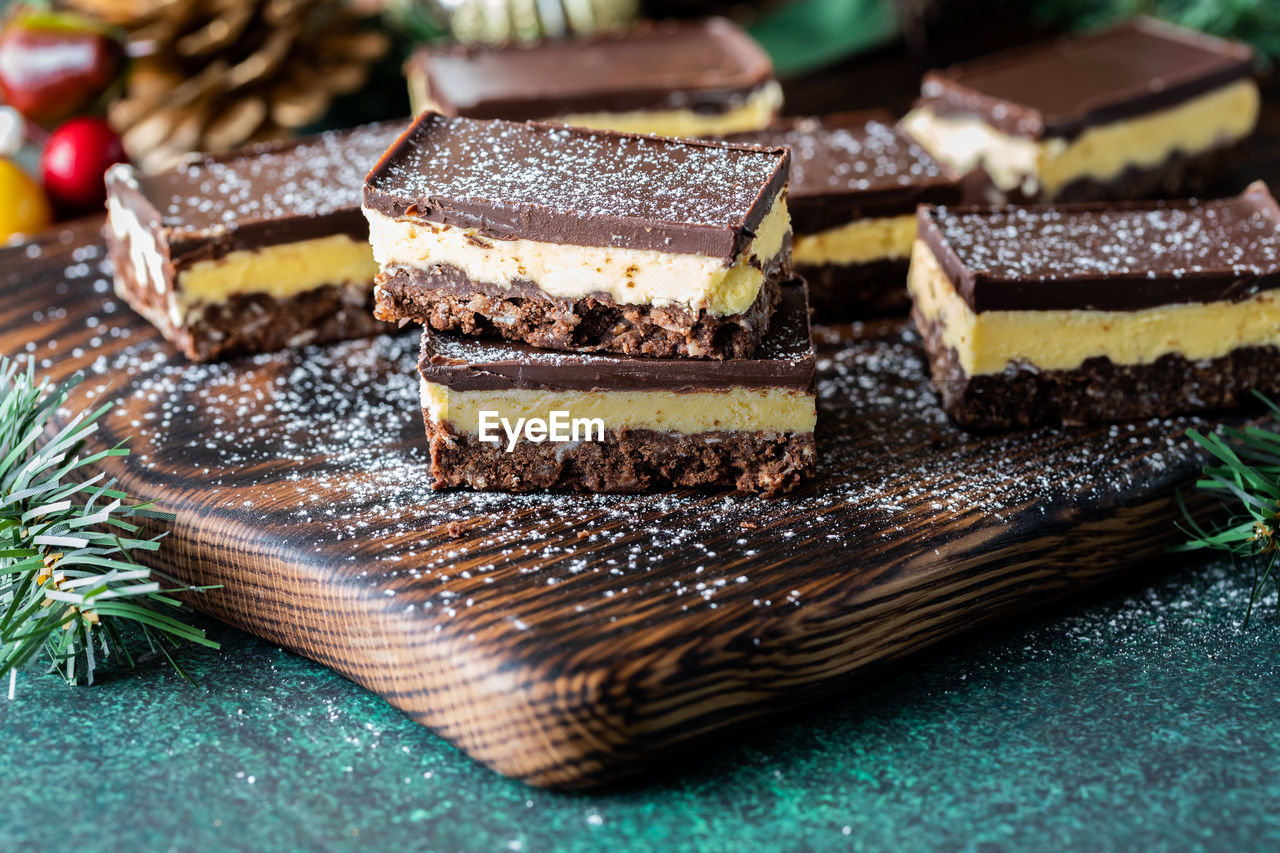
1099 390
765 463
443 298
855 291
1179 175
252 322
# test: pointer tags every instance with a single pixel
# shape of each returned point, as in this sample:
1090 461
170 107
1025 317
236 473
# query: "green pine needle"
1247 480
70 589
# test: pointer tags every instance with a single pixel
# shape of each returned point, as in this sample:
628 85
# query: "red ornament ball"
74 160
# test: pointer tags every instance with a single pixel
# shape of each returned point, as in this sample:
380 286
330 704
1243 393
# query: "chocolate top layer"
1108 257
851 166
706 66
557 184
784 359
278 192
1063 87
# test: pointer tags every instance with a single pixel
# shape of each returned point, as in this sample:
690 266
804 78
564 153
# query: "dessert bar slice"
1142 110
855 183
694 78
628 424
1091 312
252 251
580 240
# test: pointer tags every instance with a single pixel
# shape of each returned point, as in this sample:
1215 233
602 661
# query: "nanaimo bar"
624 424
1092 312
696 78
251 251
582 240
1143 110
856 180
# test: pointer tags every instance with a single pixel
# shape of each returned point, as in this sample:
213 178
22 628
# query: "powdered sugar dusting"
325 446
1235 235
316 176
577 173
862 157
318 455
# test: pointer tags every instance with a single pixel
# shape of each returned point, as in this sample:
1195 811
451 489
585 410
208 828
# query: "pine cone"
212 75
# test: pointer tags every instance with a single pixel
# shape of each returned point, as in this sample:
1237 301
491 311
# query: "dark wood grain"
568 640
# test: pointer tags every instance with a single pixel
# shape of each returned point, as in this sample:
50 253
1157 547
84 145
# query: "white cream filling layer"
1042 168
736 409
629 276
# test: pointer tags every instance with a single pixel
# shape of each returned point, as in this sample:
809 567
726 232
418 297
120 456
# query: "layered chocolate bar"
1143 110
1091 312
698 78
855 183
582 240
510 417
252 251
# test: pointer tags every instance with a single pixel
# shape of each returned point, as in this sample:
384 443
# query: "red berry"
75 158
53 65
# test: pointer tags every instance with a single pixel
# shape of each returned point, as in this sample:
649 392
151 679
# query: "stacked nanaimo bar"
631 289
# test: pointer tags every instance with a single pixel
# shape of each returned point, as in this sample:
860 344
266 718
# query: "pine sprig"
1246 479
70 587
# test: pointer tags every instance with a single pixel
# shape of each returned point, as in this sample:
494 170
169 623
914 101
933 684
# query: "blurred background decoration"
85 83
211 75
509 20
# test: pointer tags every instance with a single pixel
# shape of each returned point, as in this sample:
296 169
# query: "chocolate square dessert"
1097 312
252 251
582 240
694 78
1143 110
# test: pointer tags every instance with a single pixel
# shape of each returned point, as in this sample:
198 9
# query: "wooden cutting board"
564 639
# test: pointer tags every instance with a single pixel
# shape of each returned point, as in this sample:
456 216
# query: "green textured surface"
1141 717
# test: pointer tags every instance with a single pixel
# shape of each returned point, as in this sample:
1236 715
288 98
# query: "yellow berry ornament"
23 206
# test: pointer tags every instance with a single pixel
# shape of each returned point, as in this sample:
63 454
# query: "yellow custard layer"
282 270
1063 339
759 109
857 242
1216 118
742 409
755 113
630 276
